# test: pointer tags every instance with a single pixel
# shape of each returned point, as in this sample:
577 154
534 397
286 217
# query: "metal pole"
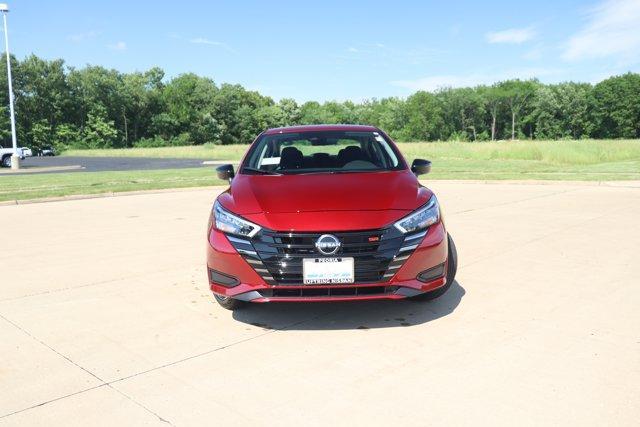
13 115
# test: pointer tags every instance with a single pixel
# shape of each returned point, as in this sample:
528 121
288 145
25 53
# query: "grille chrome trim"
244 251
236 240
408 248
415 236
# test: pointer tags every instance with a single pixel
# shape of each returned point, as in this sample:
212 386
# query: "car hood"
325 192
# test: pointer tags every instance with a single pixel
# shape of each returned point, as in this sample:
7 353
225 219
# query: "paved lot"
95 164
105 319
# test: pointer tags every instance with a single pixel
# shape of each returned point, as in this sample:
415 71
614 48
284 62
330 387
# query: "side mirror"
421 166
225 172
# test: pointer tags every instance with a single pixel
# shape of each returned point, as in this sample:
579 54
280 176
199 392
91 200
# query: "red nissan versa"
327 213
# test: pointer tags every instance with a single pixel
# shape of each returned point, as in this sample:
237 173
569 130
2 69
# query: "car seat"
291 158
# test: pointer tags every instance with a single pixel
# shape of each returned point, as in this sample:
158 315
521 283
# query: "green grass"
584 152
206 152
532 170
34 186
587 160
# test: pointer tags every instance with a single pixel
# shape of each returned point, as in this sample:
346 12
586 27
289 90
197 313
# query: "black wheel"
452 268
6 161
229 303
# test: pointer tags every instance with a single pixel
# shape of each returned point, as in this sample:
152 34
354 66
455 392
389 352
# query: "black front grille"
351 291
277 256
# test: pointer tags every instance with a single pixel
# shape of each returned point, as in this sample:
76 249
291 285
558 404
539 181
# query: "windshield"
328 151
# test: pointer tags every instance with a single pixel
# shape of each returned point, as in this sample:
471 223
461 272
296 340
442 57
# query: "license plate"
327 271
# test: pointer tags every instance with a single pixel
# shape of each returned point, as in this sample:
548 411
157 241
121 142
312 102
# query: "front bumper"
222 257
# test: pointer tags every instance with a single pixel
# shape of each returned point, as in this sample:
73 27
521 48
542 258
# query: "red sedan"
327 213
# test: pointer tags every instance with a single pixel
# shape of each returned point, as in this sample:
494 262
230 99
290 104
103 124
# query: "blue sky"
339 50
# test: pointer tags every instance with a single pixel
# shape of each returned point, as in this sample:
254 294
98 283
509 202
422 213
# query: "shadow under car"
351 315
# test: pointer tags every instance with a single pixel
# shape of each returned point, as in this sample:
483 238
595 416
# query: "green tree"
187 102
99 131
516 95
66 136
141 101
99 107
311 113
616 107
492 98
424 117
238 111
291 113
40 134
42 96
5 127
561 111
100 91
463 111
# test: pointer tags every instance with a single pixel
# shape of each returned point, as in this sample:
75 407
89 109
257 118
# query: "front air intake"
223 279
432 273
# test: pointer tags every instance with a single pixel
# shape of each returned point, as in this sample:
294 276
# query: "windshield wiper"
339 171
326 171
260 171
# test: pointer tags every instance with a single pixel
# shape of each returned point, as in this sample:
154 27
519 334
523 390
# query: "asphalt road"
95 164
106 319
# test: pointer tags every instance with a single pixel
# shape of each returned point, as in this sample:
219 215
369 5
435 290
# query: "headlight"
229 223
427 215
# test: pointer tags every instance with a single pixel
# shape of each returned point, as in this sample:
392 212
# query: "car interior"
317 154
351 156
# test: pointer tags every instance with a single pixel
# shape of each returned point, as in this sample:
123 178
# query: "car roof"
320 128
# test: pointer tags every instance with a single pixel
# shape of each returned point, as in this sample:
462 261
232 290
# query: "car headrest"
291 158
321 160
350 154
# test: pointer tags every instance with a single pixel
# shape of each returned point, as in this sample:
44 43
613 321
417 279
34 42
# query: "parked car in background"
47 151
5 156
26 151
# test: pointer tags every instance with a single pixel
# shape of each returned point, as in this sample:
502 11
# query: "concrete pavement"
106 319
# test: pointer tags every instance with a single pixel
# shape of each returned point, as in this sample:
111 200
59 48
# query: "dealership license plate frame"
319 271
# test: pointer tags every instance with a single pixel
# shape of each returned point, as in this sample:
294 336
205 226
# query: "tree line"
96 107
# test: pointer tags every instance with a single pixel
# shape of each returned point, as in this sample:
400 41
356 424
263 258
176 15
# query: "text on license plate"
321 271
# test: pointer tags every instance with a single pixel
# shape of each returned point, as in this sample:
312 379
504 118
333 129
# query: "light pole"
15 159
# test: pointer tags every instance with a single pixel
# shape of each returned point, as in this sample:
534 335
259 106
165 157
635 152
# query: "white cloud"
202 40
352 49
612 29
511 36
118 46
431 83
205 41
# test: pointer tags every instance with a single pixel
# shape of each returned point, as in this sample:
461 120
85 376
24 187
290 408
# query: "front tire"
6 161
229 303
452 268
